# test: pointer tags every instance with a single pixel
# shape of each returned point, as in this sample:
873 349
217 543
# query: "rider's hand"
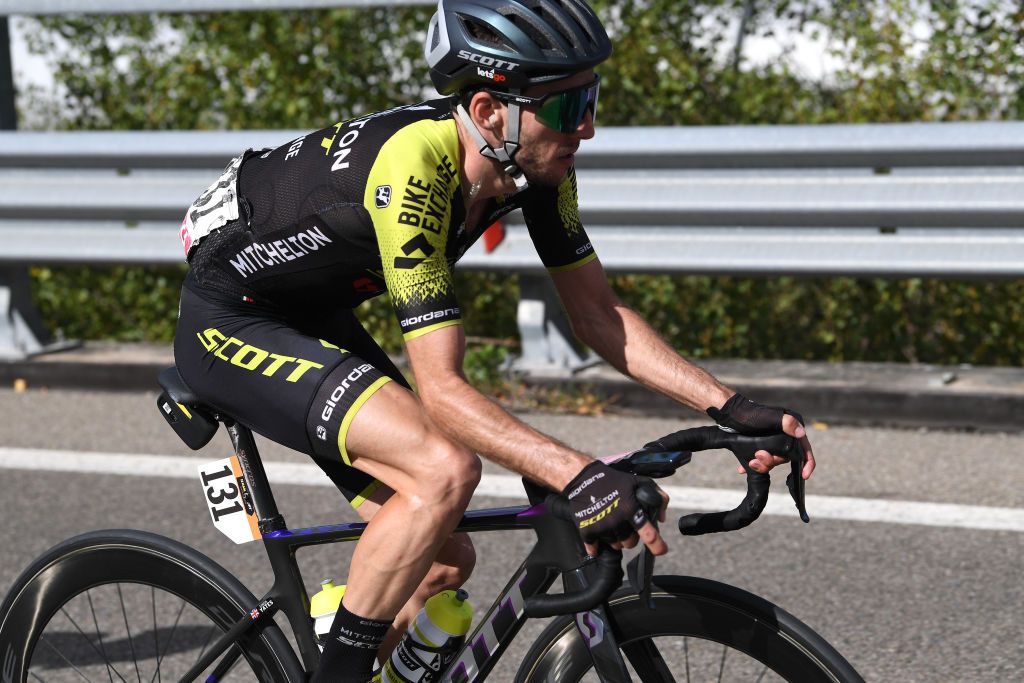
605 508
744 416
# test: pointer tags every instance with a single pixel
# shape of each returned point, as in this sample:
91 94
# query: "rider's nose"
585 130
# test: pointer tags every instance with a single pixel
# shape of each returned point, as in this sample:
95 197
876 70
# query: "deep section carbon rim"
131 608
700 631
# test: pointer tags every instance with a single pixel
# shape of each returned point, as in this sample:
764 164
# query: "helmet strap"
505 154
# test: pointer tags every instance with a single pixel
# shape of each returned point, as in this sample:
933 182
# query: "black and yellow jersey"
372 204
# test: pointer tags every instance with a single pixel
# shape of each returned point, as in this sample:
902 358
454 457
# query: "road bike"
126 605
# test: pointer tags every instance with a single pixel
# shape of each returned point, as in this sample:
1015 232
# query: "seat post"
252 466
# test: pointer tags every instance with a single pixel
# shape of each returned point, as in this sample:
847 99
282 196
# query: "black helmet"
511 44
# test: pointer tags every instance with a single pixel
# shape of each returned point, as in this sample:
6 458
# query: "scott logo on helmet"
488 61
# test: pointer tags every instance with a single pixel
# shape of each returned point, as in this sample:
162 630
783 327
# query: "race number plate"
229 501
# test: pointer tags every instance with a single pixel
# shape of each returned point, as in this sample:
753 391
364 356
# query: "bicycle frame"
558 550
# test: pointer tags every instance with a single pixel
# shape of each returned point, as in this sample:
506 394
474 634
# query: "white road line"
509 486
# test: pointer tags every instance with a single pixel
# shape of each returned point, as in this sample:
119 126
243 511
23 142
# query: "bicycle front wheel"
700 630
128 605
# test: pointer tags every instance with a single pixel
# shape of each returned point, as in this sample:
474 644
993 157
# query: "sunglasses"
564 110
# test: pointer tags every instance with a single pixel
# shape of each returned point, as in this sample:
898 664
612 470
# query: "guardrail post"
548 344
22 332
8 113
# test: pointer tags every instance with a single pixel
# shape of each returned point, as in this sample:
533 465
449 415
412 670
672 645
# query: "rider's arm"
474 420
624 339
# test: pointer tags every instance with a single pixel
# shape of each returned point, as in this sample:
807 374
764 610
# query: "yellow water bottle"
432 641
322 607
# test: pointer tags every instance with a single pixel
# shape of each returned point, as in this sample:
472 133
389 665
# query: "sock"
351 648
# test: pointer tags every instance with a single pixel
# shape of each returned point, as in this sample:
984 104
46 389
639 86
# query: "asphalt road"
902 601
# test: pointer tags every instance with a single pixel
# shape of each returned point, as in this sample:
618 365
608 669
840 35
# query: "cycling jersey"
289 240
373 204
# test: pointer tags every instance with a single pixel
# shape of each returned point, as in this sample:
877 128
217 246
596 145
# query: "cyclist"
290 240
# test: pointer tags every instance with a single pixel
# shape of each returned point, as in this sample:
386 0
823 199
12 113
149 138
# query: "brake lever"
640 569
795 481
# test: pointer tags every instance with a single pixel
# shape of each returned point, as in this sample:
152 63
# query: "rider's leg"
392 439
451 568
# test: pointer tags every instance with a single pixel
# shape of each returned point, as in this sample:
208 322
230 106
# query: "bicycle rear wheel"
127 605
701 630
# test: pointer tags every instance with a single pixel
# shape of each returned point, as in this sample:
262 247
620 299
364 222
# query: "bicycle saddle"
175 386
194 423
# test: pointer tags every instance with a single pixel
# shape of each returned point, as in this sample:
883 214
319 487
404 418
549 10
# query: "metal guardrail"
35 7
942 200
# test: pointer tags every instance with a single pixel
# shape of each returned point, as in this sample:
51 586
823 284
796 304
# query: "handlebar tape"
743 447
742 515
608 577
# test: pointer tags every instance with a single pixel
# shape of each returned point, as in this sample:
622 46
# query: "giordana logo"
427 317
491 74
488 61
321 433
340 390
382 196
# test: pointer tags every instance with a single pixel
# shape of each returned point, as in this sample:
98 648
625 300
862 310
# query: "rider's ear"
484 109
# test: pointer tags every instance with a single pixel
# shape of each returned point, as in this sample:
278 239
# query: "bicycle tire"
84 570
771 643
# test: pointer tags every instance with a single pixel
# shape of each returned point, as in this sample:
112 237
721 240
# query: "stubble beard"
533 169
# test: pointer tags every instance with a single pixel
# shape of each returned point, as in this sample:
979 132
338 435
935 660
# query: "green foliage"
120 303
929 321
675 63
244 70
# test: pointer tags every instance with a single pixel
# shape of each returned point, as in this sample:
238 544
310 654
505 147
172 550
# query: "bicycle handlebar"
743 447
607 574
661 458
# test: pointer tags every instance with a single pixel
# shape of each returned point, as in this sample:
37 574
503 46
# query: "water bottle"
322 607
432 640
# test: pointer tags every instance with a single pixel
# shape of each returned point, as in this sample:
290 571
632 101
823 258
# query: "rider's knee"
452 471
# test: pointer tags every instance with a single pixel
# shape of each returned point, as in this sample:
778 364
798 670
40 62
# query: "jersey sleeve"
409 194
553 218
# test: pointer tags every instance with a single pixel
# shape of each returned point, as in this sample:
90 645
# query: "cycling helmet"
511 44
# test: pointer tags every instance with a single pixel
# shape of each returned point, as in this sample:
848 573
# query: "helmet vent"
530 29
581 26
484 33
568 32
435 40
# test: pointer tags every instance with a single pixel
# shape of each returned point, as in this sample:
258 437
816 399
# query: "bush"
836 319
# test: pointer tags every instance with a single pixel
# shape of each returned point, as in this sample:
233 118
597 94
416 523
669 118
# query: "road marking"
509 486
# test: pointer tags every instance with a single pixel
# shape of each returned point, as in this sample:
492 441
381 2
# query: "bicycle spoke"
156 637
34 675
60 654
761 677
99 634
170 639
91 644
686 655
721 667
131 642
647 661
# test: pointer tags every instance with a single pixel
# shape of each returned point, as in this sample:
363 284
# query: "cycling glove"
603 503
743 416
